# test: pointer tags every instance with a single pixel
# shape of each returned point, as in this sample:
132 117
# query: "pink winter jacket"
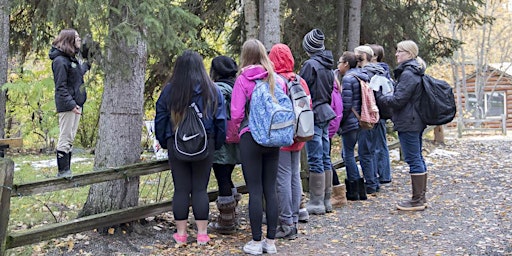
242 92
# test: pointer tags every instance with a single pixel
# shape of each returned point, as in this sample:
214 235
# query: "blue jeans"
349 143
382 152
318 149
411 143
366 149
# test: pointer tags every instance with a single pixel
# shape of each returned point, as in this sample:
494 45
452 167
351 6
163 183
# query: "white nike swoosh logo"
187 138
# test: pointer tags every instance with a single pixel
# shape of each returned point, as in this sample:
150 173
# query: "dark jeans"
259 165
366 149
382 152
349 144
191 182
223 175
412 143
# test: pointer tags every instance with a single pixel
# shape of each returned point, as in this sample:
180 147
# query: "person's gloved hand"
90 49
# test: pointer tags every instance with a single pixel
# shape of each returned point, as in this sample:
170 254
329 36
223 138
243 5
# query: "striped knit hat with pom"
314 41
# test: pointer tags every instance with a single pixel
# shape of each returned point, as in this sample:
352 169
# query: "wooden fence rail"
10 240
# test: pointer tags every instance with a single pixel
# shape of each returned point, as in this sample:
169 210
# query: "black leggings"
191 181
223 175
259 166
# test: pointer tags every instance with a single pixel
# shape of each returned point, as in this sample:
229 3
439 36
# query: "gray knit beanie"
314 41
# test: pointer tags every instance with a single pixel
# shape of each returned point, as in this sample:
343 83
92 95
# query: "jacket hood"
325 58
359 73
54 53
282 58
254 72
411 65
375 69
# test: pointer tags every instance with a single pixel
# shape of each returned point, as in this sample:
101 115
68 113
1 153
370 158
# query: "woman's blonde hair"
411 47
254 53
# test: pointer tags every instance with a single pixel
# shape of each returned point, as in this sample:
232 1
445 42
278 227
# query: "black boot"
63 164
352 193
361 189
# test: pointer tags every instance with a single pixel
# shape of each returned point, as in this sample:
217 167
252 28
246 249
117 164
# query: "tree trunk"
340 27
4 56
439 134
270 32
251 19
354 24
120 125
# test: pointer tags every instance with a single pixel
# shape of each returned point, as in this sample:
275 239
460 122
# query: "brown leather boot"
339 196
416 203
226 222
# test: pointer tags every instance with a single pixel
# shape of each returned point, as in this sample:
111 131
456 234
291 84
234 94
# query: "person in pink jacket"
259 163
289 185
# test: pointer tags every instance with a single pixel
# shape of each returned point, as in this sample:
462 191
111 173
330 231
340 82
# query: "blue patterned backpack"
271 119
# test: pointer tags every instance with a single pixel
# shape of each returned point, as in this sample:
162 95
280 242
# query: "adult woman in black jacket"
407 120
70 95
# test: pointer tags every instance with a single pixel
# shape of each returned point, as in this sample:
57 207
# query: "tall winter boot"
361 189
328 191
416 203
352 193
316 193
226 222
63 164
424 197
339 197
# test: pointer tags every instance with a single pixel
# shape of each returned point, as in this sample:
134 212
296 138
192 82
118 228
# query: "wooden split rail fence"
10 240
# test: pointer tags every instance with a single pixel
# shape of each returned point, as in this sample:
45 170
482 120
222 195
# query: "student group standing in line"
272 174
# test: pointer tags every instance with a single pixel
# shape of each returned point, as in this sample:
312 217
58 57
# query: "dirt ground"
469 213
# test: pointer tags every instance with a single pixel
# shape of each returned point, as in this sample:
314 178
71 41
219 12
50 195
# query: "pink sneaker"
202 239
180 239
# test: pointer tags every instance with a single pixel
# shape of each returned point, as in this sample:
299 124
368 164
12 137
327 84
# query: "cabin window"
494 105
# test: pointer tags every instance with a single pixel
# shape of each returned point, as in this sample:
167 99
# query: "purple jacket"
242 92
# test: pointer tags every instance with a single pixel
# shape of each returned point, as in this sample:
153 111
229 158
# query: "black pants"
259 166
190 184
223 175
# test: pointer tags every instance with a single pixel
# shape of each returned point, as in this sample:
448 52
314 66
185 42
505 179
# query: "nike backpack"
190 139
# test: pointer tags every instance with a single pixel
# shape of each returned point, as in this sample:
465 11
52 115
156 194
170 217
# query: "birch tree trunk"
120 125
354 24
270 32
251 19
4 56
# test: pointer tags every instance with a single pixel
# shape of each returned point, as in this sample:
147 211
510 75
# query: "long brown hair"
65 41
254 53
189 72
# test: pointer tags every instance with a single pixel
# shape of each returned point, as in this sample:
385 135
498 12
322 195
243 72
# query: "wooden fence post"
6 176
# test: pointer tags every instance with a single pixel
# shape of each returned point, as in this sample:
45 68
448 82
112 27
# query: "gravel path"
469 213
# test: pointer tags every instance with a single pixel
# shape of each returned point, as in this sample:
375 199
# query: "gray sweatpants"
289 187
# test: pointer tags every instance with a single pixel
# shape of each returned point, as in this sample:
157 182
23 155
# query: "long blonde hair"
254 53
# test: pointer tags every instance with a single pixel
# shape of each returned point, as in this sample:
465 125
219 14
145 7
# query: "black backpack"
437 102
190 139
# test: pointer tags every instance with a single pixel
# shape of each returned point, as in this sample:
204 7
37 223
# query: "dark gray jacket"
406 96
68 75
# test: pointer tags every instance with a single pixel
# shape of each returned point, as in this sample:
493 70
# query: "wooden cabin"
497 99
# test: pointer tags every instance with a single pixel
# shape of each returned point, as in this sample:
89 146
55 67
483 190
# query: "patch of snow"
442 152
53 162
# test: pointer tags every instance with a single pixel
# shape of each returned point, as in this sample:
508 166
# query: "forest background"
139 41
